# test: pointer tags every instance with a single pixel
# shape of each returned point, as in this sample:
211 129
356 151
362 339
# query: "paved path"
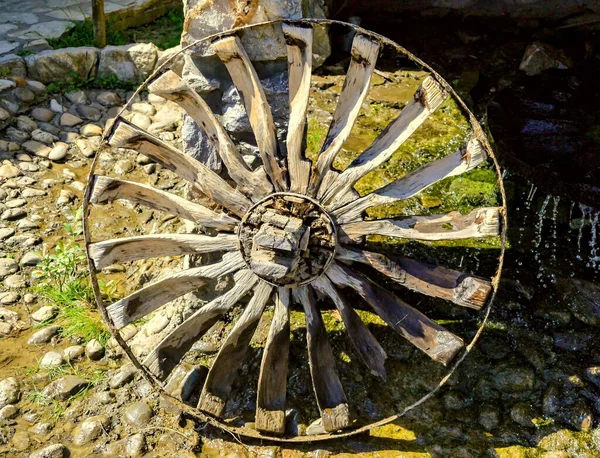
25 21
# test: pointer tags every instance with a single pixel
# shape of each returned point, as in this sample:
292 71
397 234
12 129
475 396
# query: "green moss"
515 451
315 137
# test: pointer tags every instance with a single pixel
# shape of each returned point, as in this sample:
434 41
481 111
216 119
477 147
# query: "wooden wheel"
293 236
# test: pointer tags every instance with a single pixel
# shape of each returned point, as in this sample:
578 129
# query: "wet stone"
52 451
137 414
7 267
43 335
90 429
514 379
44 313
42 114
8 412
9 391
11 214
32 192
73 352
65 387
125 375
94 350
5 328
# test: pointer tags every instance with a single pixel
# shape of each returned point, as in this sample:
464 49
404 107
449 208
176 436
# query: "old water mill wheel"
293 238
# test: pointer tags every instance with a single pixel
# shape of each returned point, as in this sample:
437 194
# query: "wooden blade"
107 189
330 395
462 289
164 357
223 371
252 183
126 135
426 100
299 41
367 347
416 181
157 294
428 336
356 85
272 383
481 222
126 249
233 55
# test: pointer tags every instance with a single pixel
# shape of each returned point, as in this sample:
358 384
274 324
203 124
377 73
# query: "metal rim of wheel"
314 213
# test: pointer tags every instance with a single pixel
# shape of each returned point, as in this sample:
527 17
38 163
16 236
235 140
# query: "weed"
24 53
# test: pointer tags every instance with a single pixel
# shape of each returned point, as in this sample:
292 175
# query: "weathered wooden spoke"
462 289
152 246
299 44
272 383
233 55
329 392
428 336
157 294
126 135
222 373
106 189
356 86
454 164
163 358
482 222
426 100
252 183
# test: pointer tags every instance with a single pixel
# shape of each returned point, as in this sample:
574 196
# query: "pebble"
135 445
15 203
8 315
77 96
31 258
65 387
91 130
15 281
16 135
8 412
44 335
50 128
90 113
69 120
42 114
12 214
4 115
56 107
5 328
125 375
9 171
23 157
51 359
6 232
94 350
123 166
90 429
24 94
36 86
52 451
9 297
37 148
108 99
44 313
29 298
103 398
26 124
9 391
59 152
7 267
32 192
73 352
41 428
43 137
64 197
137 414
28 167
141 120
6 84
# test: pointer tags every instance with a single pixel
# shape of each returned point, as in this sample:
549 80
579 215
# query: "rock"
108 99
137 414
24 95
56 107
514 379
42 114
28 166
176 64
52 451
125 375
8 266
43 335
29 298
43 137
141 120
36 86
12 214
583 298
59 152
135 445
132 62
65 387
73 352
90 130
65 197
69 120
41 428
4 115
26 124
540 56
21 441
156 324
37 148
8 315
8 170
5 328
185 380
9 391
76 97
123 166
15 281
86 147
61 64
522 413
8 412
32 192
15 203
572 341
51 359
44 313
90 429
5 85
94 350
144 108
90 113
9 297
316 427
13 65
16 135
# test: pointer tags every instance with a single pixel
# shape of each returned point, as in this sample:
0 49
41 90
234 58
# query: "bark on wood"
223 371
272 383
426 100
356 86
414 182
365 343
107 189
233 55
431 338
435 281
164 357
157 294
127 249
330 395
299 44
126 135
253 184
481 222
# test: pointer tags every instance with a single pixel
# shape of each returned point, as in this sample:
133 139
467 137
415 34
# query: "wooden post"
99 23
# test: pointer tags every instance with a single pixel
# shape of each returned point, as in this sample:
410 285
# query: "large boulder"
62 64
133 62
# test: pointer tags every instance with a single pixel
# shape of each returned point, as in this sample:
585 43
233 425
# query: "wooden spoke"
222 373
428 336
330 395
272 383
454 164
367 347
126 135
460 288
233 55
252 183
481 222
157 294
152 246
107 189
299 44
426 100
356 85
164 357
